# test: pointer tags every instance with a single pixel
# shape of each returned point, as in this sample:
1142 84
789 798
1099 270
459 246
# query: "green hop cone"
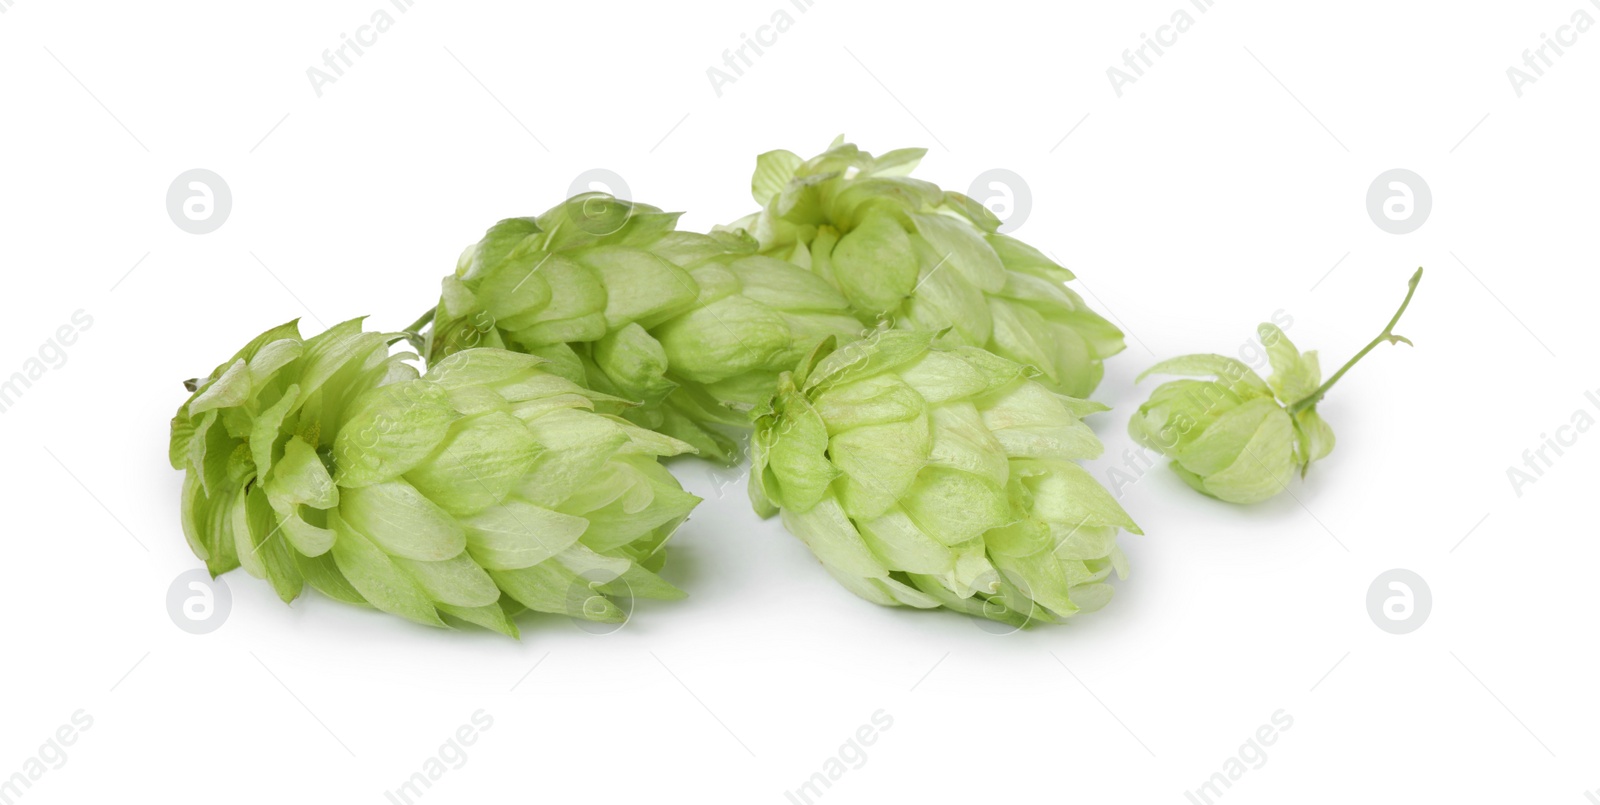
484 487
903 250
1235 436
926 476
695 328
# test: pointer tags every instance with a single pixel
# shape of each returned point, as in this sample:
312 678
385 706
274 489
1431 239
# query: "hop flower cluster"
927 476
1232 436
1235 436
913 377
693 328
487 486
905 251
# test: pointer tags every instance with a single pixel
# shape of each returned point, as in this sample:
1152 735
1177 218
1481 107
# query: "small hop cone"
927 476
903 250
485 487
695 328
1231 435
1235 436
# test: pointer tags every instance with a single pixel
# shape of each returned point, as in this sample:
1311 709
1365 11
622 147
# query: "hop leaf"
484 487
903 250
929 475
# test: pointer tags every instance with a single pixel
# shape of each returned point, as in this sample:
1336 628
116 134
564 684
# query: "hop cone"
903 250
486 486
1235 436
693 327
1232 436
928 476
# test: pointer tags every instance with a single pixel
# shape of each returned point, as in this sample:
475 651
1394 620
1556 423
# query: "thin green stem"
1387 335
422 321
413 334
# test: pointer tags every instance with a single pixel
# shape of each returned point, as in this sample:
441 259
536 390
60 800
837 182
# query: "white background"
1219 188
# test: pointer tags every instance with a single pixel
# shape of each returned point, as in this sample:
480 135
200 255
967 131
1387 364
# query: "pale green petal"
402 521
640 286
383 584
799 455
516 286
774 169
1292 378
784 286
493 617
227 391
483 459
458 581
1260 437
828 532
953 506
1315 436
962 441
635 361
874 265
1068 495
1241 378
390 430
965 250
306 538
879 463
880 400
300 478
897 540
577 445
1219 445
732 335
519 534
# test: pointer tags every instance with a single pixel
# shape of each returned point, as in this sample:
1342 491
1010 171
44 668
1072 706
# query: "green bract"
922 258
926 476
1235 436
695 328
483 487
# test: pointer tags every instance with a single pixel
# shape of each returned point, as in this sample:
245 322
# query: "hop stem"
413 334
1388 335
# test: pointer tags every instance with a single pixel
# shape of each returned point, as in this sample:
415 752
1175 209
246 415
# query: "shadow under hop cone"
931 476
903 250
484 487
694 328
